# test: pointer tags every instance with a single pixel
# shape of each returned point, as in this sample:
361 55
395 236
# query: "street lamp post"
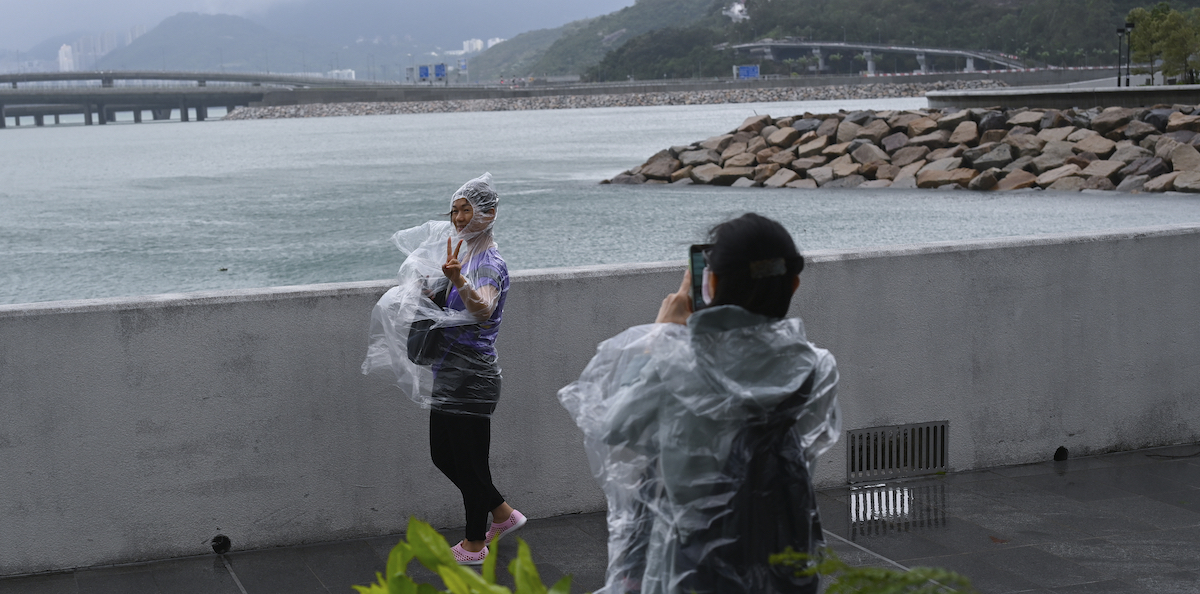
1129 52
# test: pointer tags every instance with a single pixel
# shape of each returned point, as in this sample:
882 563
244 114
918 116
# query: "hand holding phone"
696 265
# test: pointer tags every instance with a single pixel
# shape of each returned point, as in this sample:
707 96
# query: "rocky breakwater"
1122 149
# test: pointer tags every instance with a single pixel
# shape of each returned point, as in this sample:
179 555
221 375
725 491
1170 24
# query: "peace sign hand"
452 268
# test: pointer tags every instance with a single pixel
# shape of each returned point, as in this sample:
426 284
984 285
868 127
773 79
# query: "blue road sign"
439 71
423 72
747 71
462 64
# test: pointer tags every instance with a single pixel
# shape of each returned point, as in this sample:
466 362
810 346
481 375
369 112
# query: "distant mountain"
426 25
579 45
190 41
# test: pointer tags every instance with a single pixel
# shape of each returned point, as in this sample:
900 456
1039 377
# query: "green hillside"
516 57
576 46
1055 32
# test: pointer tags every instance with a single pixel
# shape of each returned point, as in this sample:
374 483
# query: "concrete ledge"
138 428
1058 98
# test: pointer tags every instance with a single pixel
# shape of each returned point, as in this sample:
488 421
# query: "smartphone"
696 264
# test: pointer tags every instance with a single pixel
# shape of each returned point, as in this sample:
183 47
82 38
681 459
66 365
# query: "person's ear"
795 283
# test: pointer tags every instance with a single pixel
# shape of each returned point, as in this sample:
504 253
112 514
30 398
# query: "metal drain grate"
878 511
892 452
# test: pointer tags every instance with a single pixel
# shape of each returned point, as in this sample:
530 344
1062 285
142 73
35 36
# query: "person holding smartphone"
701 428
449 305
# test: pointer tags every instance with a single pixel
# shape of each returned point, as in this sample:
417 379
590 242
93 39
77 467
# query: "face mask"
706 286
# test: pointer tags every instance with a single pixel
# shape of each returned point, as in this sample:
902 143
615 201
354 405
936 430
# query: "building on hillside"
494 41
66 59
472 45
343 74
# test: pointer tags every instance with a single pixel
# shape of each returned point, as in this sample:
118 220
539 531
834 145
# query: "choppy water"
131 209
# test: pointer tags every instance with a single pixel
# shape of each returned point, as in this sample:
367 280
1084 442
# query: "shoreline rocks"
825 93
1120 149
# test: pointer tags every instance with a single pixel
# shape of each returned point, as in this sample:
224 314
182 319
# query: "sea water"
132 209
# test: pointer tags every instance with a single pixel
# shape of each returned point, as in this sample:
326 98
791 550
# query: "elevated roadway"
782 49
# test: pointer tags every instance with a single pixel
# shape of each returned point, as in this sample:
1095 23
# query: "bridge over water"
783 49
104 93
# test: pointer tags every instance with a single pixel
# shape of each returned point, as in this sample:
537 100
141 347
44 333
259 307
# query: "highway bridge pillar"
921 62
160 113
17 121
101 114
56 119
820 59
870 58
87 114
137 115
970 64
183 111
201 113
39 120
3 122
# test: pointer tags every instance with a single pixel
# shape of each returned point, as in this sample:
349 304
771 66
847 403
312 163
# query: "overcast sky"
26 23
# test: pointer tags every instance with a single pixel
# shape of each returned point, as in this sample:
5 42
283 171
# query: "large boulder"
1159 118
965 133
975 152
812 148
1185 158
717 143
1162 183
909 154
803 165
875 184
765 155
1046 179
1111 119
828 127
986 180
1019 164
1103 168
682 173
821 175
938 178
850 181
993 120
734 148
661 168
933 140
699 157
806 125
1130 154
998 157
727 175
1068 184
1048 161
943 165
754 124
1053 118
1177 121
1099 183
1031 118
922 126
859 118
1017 180
741 160
628 178
894 142
803 184
1137 130
886 171
952 121
1053 134
781 178
844 166
784 137
1026 145
1133 183
1099 145
1149 166
704 174
869 153
1188 181
783 157
846 131
875 131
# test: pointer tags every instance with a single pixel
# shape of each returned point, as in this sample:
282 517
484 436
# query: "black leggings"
459 445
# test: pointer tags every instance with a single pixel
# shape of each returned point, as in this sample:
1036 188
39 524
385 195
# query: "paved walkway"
1125 523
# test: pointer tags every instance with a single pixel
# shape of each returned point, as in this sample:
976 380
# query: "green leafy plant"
845 579
424 544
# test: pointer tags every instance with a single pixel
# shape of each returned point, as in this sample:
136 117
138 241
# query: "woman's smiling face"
461 213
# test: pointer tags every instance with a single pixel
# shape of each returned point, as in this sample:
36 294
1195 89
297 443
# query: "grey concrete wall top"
1057 98
138 428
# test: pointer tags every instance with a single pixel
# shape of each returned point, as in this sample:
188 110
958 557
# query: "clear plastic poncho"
701 438
424 332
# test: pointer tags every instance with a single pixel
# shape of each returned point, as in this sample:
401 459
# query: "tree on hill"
1163 34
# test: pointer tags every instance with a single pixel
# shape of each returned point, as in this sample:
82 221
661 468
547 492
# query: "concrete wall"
139 428
1067 98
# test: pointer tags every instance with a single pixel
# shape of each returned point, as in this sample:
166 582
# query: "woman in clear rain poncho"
436 332
701 428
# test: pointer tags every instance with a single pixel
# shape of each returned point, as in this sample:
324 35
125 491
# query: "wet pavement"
1125 523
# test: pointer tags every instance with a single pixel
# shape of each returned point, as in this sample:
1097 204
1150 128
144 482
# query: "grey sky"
27 23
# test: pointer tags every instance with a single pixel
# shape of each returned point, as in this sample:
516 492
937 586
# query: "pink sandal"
465 557
512 524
